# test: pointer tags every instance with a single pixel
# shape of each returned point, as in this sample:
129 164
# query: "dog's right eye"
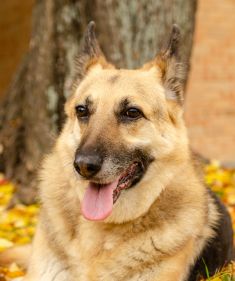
131 114
82 111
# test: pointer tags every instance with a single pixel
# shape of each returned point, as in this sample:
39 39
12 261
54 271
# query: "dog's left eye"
132 113
82 111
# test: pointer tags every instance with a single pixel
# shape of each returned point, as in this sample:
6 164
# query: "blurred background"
210 102
15 29
36 51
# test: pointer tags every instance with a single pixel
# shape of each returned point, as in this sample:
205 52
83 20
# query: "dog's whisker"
67 164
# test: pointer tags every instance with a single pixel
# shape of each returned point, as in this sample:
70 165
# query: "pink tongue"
97 203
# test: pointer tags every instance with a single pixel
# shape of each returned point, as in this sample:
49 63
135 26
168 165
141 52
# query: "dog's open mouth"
98 201
129 178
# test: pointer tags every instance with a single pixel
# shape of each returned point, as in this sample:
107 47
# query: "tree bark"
130 33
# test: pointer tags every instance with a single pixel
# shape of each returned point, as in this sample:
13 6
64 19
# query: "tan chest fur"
104 256
137 249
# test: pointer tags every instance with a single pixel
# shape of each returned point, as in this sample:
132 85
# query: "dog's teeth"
125 181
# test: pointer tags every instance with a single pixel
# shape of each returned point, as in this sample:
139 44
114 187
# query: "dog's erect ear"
91 47
171 70
173 43
90 55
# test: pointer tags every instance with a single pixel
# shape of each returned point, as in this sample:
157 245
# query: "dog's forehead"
120 83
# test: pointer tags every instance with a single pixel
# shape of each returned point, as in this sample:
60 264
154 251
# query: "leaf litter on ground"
17 224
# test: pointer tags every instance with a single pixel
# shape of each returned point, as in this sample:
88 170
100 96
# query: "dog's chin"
100 196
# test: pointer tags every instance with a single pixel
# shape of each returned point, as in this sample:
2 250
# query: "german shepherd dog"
121 197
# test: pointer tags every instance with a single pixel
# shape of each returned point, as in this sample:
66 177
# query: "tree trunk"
130 33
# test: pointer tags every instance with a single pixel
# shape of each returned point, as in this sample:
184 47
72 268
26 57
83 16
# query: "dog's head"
124 132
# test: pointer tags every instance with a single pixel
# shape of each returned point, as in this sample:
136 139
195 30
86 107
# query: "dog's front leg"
44 264
50 270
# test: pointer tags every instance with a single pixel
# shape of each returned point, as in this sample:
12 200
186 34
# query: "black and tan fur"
168 222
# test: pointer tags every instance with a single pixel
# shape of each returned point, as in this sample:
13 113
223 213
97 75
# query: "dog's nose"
88 165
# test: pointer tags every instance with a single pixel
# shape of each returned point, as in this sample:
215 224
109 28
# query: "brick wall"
210 103
15 26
